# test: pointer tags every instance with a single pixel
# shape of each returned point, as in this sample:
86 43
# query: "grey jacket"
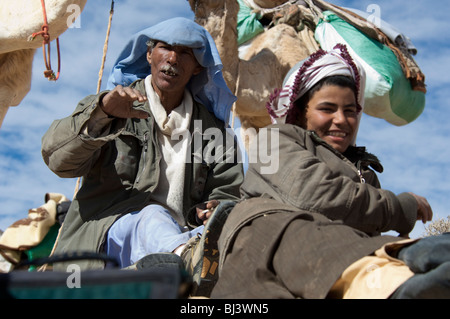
120 171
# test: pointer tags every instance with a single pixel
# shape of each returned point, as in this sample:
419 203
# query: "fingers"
119 103
427 213
424 211
204 212
138 114
129 93
207 216
212 204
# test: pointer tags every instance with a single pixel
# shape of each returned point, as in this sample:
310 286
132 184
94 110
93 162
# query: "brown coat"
270 250
298 229
313 176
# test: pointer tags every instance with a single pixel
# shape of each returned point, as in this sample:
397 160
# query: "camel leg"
15 78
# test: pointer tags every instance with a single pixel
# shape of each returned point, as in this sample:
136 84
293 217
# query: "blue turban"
208 87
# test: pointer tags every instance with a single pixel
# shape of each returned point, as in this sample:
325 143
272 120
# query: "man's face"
172 67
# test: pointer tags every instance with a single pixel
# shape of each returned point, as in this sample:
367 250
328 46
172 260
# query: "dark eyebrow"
176 47
335 105
327 104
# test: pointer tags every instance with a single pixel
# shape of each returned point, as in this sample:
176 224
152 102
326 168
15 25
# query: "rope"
100 73
263 11
105 47
48 73
317 12
102 67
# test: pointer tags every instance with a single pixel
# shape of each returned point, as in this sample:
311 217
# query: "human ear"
149 56
198 69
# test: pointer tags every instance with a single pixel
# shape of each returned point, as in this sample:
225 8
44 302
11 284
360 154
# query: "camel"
254 74
19 20
288 37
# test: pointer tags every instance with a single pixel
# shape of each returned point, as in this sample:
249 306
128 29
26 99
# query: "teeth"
169 73
337 134
169 70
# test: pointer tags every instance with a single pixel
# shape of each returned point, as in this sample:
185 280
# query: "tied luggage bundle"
395 86
248 25
389 94
27 248
33 237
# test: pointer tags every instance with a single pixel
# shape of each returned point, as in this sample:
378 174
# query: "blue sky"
415 156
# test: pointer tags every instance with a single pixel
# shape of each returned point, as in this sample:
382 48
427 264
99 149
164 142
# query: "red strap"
48 73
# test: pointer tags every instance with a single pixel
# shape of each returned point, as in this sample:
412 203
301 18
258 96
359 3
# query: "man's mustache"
167 68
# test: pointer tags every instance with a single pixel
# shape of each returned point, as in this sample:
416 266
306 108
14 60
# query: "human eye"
187 51
351 109
326 108
164 46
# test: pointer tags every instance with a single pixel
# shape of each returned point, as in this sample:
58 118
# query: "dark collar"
355 154
359 154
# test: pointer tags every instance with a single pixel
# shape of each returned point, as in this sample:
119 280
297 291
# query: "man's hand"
119 103
205 211
424 211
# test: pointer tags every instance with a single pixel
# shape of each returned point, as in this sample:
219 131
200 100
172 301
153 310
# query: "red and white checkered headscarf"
308 73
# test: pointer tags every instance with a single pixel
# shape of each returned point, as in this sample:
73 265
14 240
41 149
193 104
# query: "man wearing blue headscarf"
140 146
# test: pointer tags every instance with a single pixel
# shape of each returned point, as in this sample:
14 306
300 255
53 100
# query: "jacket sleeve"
222 179
67 148
225 181
306 182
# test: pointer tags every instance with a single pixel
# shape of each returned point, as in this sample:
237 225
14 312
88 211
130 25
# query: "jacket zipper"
361 177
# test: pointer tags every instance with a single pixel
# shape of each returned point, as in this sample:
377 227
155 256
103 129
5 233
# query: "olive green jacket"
121 169
312 176
298 228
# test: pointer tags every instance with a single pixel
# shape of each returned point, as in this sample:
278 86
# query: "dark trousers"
429 259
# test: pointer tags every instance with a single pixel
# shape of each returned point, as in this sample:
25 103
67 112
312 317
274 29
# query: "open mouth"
337 134
169 70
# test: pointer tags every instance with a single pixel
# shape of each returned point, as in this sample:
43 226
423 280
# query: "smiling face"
172 67
332 113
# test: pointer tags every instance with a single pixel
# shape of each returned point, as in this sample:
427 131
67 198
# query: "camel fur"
19 20
254 74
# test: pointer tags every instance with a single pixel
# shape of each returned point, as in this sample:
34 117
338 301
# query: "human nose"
339 117
172 57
